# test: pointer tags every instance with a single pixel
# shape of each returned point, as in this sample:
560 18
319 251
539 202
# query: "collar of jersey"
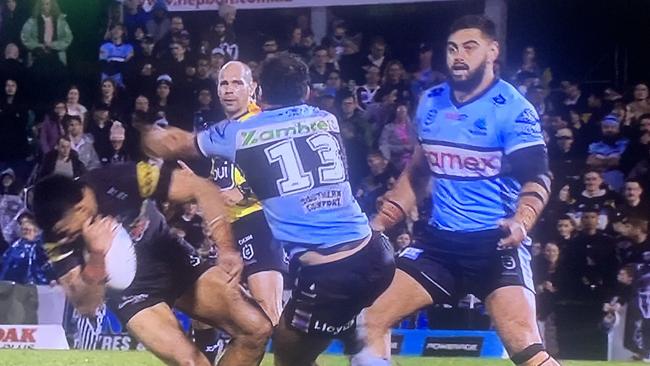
458 104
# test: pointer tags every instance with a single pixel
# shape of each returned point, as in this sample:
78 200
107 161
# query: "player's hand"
515 233
230 261
98 234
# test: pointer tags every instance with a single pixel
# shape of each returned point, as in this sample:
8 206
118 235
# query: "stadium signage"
32 337
206 5
453 346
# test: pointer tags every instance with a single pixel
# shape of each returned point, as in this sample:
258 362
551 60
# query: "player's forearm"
409 190
215 214
169 143
532 200
85 287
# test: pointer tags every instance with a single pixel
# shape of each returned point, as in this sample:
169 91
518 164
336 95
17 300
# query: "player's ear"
493 51
254 90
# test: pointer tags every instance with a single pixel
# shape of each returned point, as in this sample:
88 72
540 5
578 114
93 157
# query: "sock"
364 358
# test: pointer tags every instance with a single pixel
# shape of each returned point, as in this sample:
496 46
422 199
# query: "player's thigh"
295 348
218 301
266 288
158 329
512 309
404 296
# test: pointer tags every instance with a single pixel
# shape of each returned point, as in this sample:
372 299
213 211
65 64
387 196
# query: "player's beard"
473 80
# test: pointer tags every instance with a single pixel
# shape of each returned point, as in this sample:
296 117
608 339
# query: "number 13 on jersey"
296 177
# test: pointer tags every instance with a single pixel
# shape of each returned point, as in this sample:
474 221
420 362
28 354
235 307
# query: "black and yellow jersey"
228 176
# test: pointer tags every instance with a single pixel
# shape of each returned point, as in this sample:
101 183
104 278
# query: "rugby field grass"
115 358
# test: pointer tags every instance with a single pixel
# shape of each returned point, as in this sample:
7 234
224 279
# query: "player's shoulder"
505 94
436 92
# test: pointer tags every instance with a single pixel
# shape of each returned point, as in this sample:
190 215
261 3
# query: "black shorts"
450 265
327 298
259 250
166 269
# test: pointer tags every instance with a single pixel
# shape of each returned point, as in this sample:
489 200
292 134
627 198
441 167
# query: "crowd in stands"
592 233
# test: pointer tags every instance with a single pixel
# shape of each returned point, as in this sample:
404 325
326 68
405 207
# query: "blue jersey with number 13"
293 160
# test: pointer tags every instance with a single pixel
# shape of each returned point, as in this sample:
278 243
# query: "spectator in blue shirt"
25 261
605 155
114 55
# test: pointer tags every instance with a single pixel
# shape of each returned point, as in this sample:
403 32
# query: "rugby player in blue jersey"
483 156
292 158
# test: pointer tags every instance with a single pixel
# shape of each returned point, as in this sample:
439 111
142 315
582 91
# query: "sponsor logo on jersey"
499 100
133 299
280 131
431 116
462 162
479 128
324 327
322 200
455 116
435 92
528 116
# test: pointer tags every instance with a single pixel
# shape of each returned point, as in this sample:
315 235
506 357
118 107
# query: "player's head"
235 88
62 205
284 81
472 50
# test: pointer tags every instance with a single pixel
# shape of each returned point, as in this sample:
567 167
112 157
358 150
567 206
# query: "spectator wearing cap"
366 92
565 160
164 107
8 183
425 76
596 194
591 258
52 127
114 55
118 150
632 203
218 58
605 155
62 161
99 128
82 142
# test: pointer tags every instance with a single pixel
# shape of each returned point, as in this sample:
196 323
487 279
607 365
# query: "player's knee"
189 357
377 321
257 336
533 355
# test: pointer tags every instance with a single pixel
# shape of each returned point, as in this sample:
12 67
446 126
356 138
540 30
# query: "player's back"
293 160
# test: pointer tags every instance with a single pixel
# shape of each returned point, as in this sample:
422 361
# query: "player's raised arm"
409 190
168 143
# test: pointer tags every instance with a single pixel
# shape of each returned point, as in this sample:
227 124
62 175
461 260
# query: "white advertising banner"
202 5
32 337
